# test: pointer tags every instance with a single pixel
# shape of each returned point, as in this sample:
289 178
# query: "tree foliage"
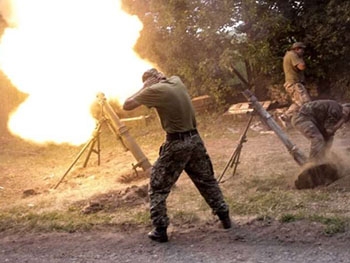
187 38
201 40
328 35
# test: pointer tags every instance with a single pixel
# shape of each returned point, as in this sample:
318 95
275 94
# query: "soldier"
182 150
318 121
293 67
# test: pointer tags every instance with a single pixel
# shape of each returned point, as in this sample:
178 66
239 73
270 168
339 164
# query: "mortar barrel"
127 139
297 155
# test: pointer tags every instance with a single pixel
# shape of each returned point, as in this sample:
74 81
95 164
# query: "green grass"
50 221
333 225
263 203
265 184
141 217
185 217
288 218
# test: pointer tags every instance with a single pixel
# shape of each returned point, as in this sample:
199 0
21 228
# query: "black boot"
225 219
158 234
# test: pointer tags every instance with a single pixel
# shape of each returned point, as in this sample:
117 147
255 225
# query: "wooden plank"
245 107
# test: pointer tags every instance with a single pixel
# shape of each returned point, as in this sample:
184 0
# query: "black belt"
180 135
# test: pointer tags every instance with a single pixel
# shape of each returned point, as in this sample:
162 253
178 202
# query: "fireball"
62 53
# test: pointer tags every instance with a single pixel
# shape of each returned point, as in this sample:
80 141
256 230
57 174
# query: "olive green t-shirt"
172 102
291 72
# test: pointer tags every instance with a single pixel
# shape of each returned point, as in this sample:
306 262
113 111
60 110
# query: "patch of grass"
262 203
316 196
141 217
184 217
333 225
51 221
128 216
288 218
275 181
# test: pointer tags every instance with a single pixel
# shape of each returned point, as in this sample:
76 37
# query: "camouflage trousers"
320 142
187 154
299 96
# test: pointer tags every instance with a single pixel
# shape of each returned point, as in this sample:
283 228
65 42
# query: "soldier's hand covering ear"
150 81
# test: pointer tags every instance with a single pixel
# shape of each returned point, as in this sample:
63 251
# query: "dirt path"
240 244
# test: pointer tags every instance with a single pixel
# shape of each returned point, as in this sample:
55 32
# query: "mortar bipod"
95 138
234 158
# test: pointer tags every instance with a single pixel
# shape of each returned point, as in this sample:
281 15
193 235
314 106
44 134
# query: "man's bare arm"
130 102
301 66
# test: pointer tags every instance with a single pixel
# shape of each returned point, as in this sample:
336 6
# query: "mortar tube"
298 156
125 136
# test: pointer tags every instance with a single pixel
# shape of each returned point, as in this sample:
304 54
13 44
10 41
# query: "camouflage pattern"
320 144
299 96
315 120
188 154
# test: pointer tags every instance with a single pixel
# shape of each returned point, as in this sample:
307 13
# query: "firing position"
183 149
293 67
318 121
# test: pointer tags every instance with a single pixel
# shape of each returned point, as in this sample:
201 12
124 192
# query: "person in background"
293 67
183 150
318 121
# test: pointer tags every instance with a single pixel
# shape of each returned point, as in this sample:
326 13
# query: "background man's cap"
298 45
346 105
149 73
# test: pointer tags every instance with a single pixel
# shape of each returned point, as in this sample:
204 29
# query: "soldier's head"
152 73
298 47
346 111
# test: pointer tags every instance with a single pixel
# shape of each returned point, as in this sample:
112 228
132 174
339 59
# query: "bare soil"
28 174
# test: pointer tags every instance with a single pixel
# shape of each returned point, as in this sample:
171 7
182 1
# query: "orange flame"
62 53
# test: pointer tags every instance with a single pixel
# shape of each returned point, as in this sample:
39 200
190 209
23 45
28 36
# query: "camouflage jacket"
323 113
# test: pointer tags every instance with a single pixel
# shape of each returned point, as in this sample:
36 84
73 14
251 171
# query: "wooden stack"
139 121
202 103
245 107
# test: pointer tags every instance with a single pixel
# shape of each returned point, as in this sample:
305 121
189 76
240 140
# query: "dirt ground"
28 174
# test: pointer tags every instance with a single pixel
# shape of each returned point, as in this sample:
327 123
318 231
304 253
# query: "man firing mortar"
182 150
318 121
